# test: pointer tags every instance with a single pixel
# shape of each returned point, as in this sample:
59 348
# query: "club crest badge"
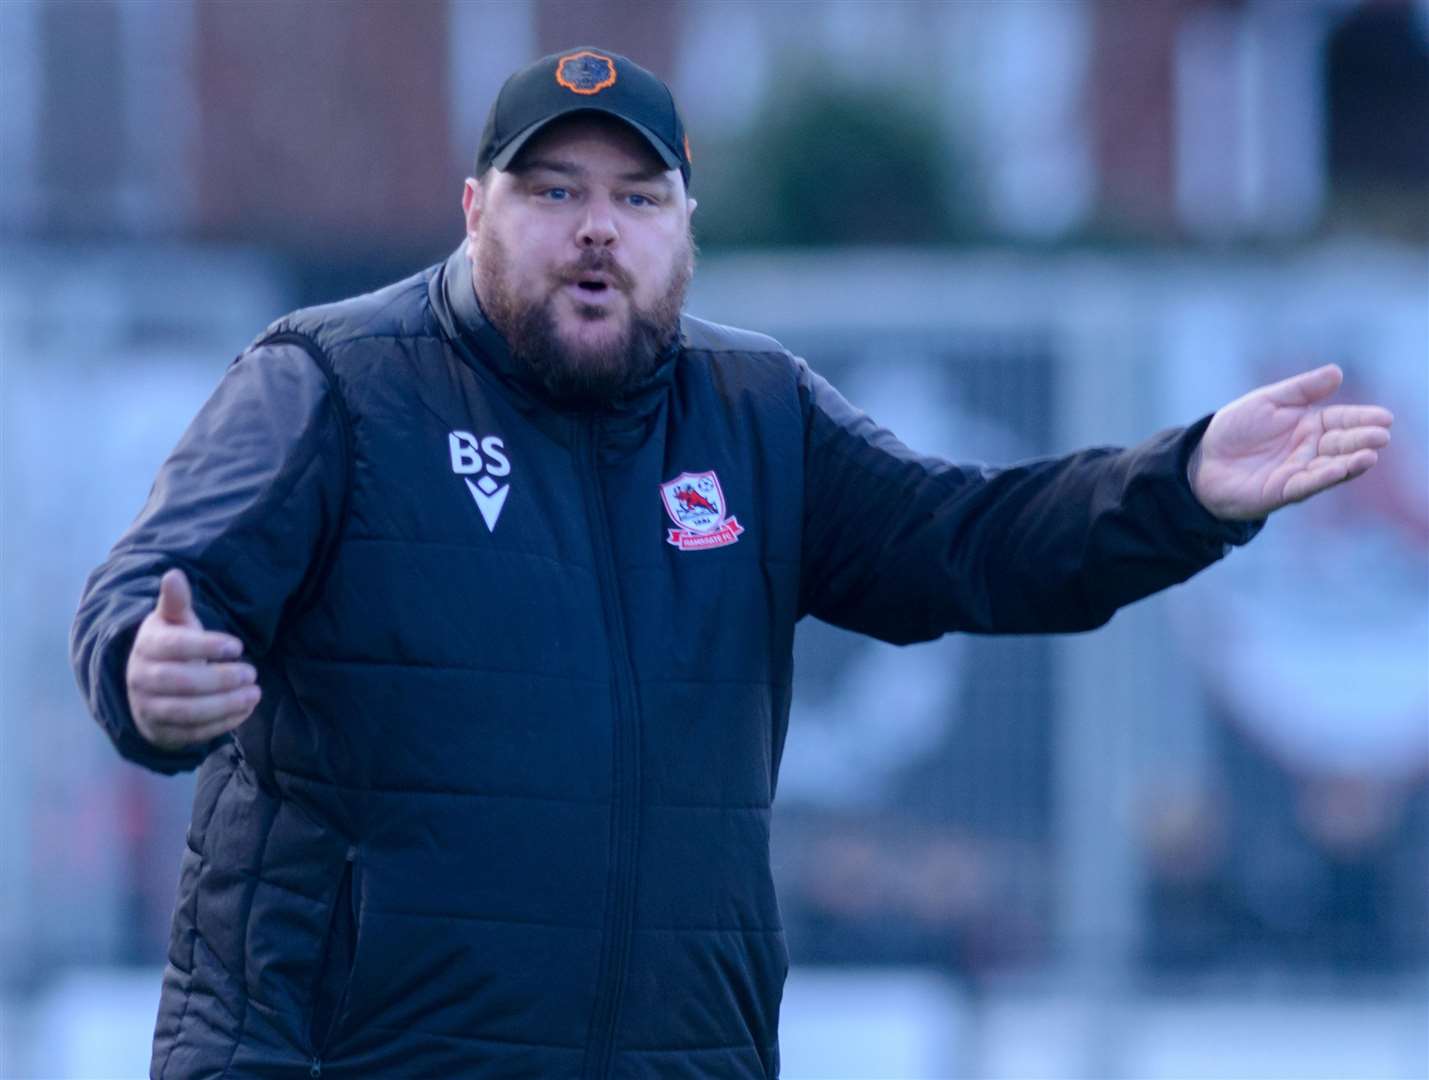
696 504
585 72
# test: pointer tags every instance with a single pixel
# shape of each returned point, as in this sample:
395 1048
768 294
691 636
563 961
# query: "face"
582 254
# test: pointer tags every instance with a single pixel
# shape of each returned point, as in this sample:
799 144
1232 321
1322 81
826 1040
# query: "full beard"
586 375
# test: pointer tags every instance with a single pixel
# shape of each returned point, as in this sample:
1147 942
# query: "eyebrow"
565 168
654 174
647 176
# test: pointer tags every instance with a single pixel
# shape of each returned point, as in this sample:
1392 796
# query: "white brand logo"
487 456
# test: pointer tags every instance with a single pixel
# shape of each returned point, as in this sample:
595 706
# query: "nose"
597 230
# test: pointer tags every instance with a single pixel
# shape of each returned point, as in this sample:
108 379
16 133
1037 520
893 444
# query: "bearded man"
473 600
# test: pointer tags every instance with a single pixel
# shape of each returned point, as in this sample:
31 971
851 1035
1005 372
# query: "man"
474 600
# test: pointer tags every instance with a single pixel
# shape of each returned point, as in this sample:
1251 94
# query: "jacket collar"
482 346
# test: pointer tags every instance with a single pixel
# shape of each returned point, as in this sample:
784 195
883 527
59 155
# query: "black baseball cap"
583 80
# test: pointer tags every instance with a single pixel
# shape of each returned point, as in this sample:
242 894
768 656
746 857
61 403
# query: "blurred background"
1192 844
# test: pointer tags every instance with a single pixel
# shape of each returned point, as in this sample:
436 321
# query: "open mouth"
594 290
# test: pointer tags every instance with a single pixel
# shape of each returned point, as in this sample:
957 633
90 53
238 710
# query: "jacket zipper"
625 791
346 893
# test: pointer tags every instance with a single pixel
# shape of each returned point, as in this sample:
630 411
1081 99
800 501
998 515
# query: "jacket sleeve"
906 548
245 505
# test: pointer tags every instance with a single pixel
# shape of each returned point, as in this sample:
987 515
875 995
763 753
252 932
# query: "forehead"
592 140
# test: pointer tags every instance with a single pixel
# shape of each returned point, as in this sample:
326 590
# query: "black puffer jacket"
504 808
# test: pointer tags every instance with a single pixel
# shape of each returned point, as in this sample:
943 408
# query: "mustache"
597 262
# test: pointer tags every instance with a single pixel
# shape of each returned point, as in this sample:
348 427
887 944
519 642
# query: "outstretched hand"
186 684
1280 444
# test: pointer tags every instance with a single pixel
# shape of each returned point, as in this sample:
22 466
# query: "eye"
555 194
640 201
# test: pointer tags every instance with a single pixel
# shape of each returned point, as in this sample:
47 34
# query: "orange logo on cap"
688 156
585 72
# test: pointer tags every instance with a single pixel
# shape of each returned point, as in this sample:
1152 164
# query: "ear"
690 205
473 199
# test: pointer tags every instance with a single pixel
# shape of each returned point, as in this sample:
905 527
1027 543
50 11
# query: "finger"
1349 441
1353 416
176 604
177 716
179 677
1307 387
222 725
174 738
163 641
1318 478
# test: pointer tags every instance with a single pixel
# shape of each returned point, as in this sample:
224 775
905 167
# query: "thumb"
1308 387
176 603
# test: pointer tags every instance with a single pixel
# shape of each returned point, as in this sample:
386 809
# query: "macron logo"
472 456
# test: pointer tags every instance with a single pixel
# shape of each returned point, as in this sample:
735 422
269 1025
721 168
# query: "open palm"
1279 444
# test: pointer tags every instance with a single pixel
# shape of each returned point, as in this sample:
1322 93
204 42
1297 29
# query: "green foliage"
831 165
